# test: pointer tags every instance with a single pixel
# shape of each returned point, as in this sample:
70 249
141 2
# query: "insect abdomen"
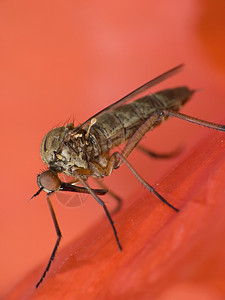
115 127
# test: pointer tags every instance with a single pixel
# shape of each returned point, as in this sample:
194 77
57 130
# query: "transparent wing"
71 200
134 93
72 195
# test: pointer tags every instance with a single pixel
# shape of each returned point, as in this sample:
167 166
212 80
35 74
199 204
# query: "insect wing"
134 93
71 200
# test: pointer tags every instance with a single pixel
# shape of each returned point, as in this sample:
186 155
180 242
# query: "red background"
62 60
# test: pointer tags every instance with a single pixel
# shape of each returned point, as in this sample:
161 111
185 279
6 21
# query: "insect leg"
147 185
59 234
118 158
140 132
195 120
83 182
160 155
112 194
158 115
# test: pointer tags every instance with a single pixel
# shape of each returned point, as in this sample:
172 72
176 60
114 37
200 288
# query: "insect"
85 151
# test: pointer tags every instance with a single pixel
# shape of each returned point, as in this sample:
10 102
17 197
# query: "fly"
85 150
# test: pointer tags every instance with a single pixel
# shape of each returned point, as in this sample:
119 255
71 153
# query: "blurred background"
61 61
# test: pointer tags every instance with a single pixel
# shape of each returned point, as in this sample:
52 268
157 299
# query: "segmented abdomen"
115 127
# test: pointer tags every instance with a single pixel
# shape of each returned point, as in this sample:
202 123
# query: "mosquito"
86 150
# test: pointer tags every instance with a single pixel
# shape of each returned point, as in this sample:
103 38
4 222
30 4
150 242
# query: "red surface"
165 254
68 60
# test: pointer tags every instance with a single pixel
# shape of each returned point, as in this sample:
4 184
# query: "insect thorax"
63 150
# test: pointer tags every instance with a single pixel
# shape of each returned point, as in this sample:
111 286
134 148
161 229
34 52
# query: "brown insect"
84 151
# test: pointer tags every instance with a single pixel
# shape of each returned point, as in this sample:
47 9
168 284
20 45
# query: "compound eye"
48 181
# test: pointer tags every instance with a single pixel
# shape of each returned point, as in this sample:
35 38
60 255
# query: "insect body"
86 150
